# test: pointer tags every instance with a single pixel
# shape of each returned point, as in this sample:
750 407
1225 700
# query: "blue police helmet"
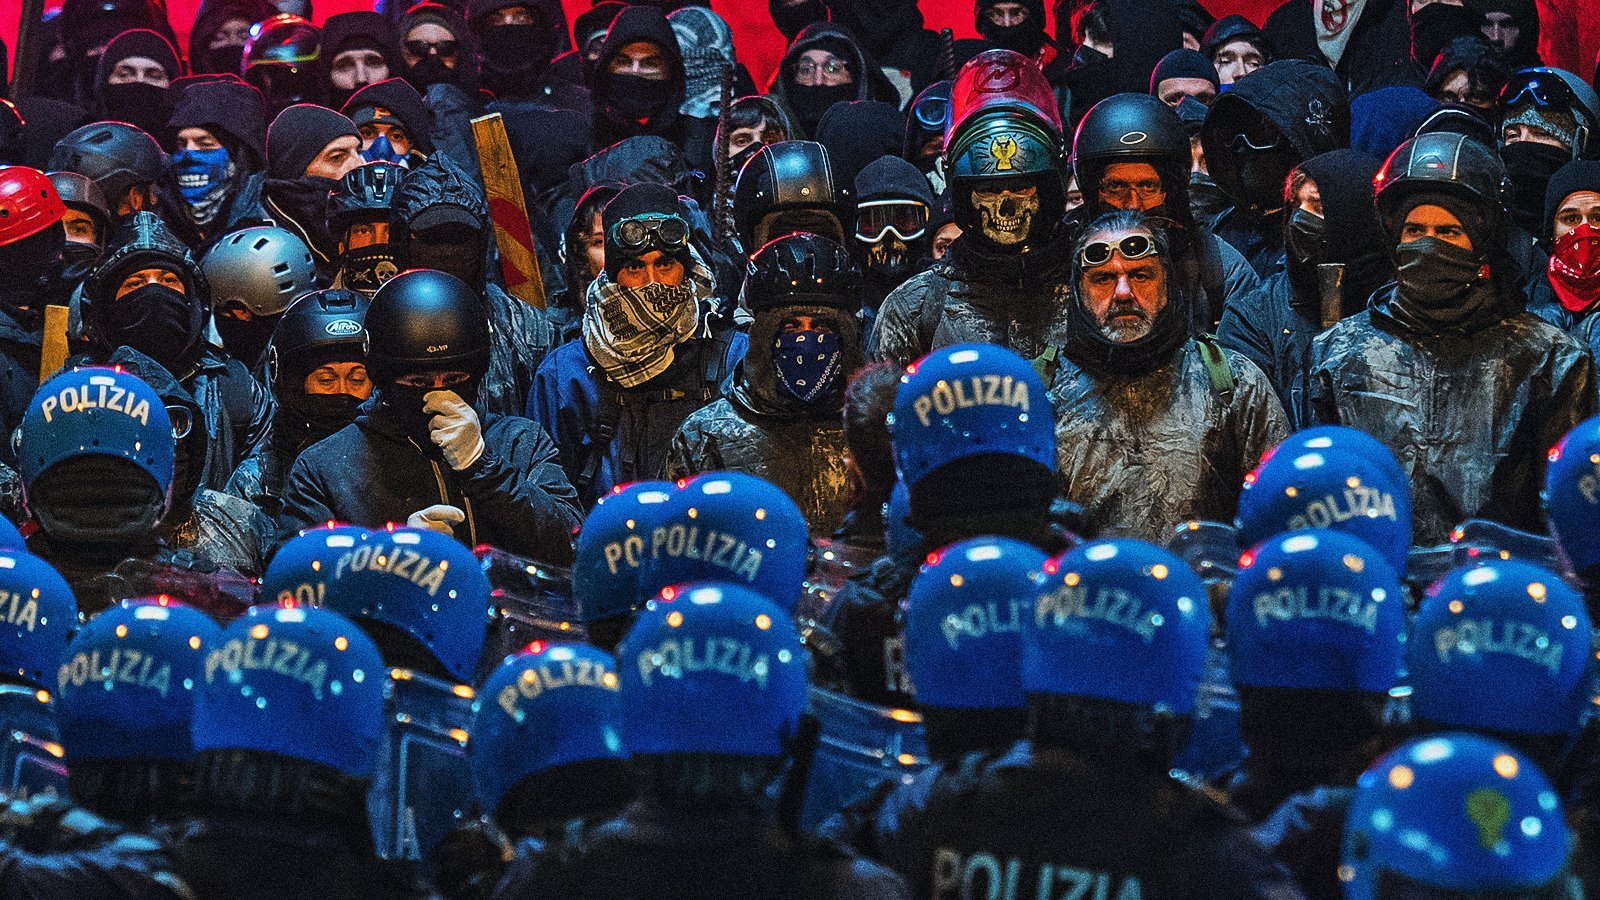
97 411
38 616
557 705
426 584
300 682
1572 494
711 667
308 563
10 537
1501 646
1453 815
1329 477
964 620
126 687
1118 620
729 526
966 400
1316 609
612 546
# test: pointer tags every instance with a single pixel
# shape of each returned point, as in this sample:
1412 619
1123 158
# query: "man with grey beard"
1155 423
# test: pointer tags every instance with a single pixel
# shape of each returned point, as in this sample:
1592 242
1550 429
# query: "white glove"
438 517
454 427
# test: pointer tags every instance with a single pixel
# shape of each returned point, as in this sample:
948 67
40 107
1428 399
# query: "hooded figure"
31 277
1467 71
219 528
809 93
393 123
296 195
1026 36
647 359
1282 115
86 28
893 237
1236 47
1567 293
358 48
149 294
519 39
1512 28
638 82
1383 119
439 219
1366 43
583 251
1273 325
211 190
436 47
1158 429
1140 32
858 132
892 32
221 28
1436 26
132 79
1449 340
782 421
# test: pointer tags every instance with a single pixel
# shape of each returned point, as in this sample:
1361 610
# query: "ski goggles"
1134 246
908 219
932 112
1541 90
639 233
1260 136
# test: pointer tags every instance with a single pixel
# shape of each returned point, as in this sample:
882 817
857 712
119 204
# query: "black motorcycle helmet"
146 243
424 320
790 186
280 60
319 328
363 195
116 156
803 269
1133 128
1441 163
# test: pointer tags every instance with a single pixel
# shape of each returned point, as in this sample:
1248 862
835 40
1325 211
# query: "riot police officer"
423 453
611 548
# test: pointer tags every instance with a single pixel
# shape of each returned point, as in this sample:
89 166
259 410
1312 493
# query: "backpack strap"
608 415
1216 367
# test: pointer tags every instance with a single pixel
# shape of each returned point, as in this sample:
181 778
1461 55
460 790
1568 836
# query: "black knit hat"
640 200
139 42
1183 63
1578 175
402 100
298 134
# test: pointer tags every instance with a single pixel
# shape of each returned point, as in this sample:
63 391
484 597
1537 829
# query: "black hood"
632 161
859 132
1143 32
359 30
230 110
861 64
400 98
640 23
1228 29
1303 100
436 192
212 16
1353 235
465 74
755 381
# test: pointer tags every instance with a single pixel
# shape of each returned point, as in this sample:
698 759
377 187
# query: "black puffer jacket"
1017 300
521 334
371 473
1142 453
1470 417
759 430
50 848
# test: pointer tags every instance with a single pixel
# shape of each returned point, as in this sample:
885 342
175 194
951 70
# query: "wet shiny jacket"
759 430
1470 417
1143 453
50 848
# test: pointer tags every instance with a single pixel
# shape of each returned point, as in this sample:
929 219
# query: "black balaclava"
137 103
1026 38
791 18
811 102
303 419
431 70
1529 167
294 140
629 105
890 260
1349 233
359 30
516 58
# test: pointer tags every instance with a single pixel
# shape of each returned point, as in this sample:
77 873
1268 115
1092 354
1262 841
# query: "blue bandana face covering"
808 362
380 150
199 171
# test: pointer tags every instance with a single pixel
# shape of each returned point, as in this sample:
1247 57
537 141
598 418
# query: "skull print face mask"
1006 216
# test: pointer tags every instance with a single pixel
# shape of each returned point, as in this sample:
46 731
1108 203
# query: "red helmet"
28 203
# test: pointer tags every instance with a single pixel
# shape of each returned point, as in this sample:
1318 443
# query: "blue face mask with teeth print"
199 171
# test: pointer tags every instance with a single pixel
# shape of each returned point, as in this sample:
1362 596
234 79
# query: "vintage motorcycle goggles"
639 233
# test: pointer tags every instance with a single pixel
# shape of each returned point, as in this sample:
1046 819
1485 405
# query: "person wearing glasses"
149 294
1549 118
825 65
1155 423
1444 366
1256 133
892 238
437 48
648 357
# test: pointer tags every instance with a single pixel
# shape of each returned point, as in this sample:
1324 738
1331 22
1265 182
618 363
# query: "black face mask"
1262 173
518 48
155 320
1439 285
138 103
1206 200
792 19
463 259
365 269
634 98
247 341
891 260
305 200
1025 38
809 103
304 419
404 404
1303 243
429 71
1529 165
78 260
226 60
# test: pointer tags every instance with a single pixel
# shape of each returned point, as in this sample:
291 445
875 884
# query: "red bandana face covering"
1575 268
